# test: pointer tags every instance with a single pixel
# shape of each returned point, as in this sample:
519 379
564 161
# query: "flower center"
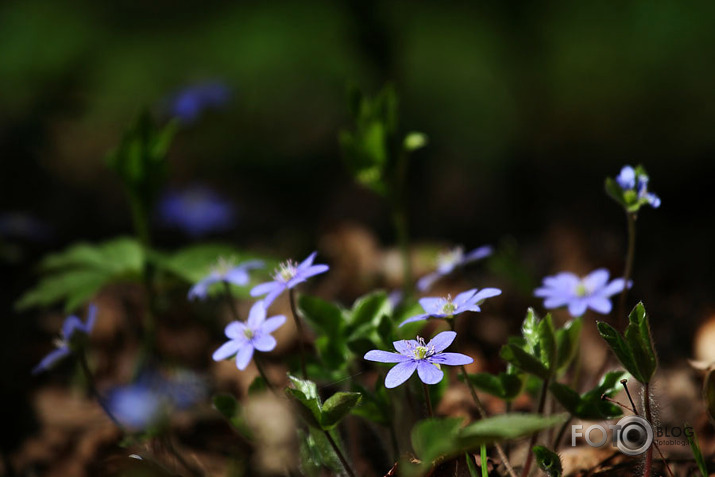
581 289
248 333
448 306
421 351
222 266
286 271
449 258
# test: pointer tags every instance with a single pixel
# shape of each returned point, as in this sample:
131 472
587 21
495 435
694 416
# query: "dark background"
528 107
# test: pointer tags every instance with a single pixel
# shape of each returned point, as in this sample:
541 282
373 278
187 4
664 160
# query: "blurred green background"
528 106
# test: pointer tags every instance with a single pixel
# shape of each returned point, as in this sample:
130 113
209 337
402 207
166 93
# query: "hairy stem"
428 401
82 356
339 453
649 454
532 442
299 327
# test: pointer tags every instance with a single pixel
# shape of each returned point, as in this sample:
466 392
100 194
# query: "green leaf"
317 453
615 192
305 393
546 342
258 385
506 386
369 309
515 355
567 342
323 316
638 337
566 396
337 407
226 404
472 466
620 348
436 437
590 406
548 461
75 275
695 449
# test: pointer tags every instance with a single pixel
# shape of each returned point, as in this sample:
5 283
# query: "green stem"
428 401
483 460
631 220
339 453
299 328
532 442
89 377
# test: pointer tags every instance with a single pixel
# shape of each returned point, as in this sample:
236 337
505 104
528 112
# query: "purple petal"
263 342
271 297
425 283
600 304
562 281
385 356
71 324
256 316
596 280
265 288
51 358
577 307
273 323
431 305
616 286
237 276
451 359
478 253
464 297
400 373
428 372
244 355
251 264
405 346
415 318
442 341
308 261
201 288
227 350
485 293
91 318
556 301
235 329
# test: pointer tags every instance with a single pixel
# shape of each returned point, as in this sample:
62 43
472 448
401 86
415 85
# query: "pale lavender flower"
578 294
449 307
224 271
287 276
416 355
137 406
254 334
73 332
451 259
197 210
631 179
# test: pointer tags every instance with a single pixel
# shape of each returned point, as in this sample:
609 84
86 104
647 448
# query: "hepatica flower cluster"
339 344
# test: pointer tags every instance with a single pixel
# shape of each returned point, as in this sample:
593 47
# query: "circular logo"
635 435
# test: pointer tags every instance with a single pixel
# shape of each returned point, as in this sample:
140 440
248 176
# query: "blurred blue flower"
631 179
287 276
415 354
449 307
189 103
254 334
224 271
197 210
23 226
449 260
578 294
74 332
137 406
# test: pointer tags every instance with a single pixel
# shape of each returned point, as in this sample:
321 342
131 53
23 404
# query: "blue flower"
254 334
224 271
197 210
137 406
451 259
578 294
74 332
189 103
287 276
448 307
635 182
416 355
